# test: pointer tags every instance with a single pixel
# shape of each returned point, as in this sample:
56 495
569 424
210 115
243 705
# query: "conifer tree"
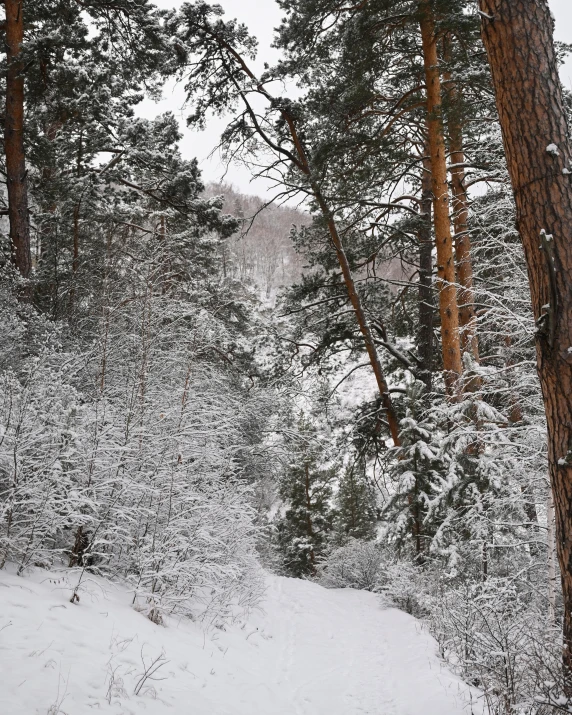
214 57
415 473
306 489
51 56
518 37
355 505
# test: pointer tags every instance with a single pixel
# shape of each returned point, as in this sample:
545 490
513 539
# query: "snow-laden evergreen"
202 395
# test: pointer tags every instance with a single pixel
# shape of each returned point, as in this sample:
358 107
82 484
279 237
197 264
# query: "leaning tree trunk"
351 288
518 38
16 178
445 259
359 312
301 161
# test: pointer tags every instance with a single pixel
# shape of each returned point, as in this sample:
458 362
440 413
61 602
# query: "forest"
362 380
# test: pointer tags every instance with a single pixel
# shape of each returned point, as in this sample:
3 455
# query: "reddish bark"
299 159
446 277
361 318
518 38
460 206
425 294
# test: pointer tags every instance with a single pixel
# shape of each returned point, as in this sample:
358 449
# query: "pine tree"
218 76
356 506
416 470
62 61
518 37
306 489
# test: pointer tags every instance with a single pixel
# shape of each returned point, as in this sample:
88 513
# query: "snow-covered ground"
311 652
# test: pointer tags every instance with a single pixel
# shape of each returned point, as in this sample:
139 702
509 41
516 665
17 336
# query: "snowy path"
312 652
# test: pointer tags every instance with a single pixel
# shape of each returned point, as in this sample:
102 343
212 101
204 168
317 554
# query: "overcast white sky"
262 16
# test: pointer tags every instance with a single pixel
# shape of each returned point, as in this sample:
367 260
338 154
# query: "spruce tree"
306 488
356 506
417 468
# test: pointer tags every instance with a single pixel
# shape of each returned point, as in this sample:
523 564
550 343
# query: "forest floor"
311 651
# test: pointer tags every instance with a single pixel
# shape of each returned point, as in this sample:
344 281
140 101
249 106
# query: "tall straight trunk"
425 293
425 338
460 206
16 178
462 239
444 241
518 39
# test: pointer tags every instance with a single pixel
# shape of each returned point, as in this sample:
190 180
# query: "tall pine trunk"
448 310
551 544
460 206
16 178
425 293
518 38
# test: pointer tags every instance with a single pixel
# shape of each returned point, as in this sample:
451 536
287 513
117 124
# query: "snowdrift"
311 651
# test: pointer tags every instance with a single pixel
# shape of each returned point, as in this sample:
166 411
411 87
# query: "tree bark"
551 546
16 177
460 206
464 266
425 293
446 278
518 38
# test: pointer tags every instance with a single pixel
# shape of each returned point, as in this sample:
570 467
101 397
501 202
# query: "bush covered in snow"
358 564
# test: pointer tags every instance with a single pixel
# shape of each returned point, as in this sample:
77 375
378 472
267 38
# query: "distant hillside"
263 251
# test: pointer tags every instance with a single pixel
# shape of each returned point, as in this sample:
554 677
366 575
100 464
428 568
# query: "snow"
312 651
553 149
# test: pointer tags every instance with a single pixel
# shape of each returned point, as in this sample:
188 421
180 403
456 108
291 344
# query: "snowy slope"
312 652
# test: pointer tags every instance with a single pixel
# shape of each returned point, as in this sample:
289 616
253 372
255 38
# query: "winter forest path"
312 652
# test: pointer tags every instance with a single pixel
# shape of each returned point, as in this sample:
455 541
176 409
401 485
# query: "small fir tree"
306 488
356 506
417 467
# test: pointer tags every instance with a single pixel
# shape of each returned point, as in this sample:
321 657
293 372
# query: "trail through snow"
311 652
